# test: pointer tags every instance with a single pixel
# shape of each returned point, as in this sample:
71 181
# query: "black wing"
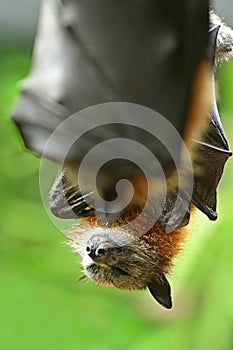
147 53
87 53
211 152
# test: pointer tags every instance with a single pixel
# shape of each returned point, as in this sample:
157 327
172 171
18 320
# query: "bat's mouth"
95 268
109 276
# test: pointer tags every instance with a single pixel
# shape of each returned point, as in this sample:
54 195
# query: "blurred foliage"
42 305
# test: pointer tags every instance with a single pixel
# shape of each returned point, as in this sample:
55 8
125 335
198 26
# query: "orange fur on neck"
164 245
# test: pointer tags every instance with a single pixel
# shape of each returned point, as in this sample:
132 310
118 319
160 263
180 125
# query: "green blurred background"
42 306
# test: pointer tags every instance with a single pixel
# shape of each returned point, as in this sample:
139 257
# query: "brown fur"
167 245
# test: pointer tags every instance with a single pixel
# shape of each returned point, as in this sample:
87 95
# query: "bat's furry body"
113 257
96 59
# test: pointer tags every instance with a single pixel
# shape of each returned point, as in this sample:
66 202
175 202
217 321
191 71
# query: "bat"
142 54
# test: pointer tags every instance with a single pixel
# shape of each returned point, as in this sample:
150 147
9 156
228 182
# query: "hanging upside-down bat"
142 53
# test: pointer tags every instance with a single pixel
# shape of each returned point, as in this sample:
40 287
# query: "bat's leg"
65 198
224 43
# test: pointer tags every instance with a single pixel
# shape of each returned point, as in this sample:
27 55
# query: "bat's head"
112 257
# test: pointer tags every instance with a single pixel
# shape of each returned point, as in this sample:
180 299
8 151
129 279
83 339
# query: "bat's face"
109 261
114 258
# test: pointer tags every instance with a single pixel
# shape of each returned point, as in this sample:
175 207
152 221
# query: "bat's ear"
161 290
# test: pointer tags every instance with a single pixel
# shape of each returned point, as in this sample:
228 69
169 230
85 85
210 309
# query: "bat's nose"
95 252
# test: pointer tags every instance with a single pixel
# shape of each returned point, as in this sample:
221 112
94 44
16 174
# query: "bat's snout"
95 252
